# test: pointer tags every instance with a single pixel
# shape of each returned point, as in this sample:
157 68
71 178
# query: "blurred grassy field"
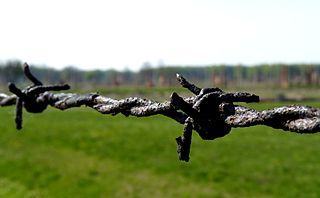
163 93
81 153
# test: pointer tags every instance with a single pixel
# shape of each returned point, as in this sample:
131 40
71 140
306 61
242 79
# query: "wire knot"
206 113
29 97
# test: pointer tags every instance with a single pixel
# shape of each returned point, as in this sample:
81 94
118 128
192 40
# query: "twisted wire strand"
210 112
295 118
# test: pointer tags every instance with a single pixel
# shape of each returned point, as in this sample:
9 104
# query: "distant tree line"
281 75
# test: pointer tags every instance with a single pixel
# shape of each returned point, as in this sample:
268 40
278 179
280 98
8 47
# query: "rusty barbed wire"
211 112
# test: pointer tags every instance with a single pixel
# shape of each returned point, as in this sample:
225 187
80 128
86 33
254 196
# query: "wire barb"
211 112
29 75
184 141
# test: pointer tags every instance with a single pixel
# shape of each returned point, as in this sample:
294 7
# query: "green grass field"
81 153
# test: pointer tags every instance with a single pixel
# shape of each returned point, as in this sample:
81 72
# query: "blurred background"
98 45
284 82
134 48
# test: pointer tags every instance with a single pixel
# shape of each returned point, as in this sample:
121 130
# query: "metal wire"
210 112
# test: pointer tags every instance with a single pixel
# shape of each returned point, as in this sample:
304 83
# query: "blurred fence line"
278 75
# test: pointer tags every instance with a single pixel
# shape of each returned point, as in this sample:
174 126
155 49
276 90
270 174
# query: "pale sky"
104 34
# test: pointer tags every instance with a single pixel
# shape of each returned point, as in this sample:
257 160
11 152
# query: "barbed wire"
211 112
